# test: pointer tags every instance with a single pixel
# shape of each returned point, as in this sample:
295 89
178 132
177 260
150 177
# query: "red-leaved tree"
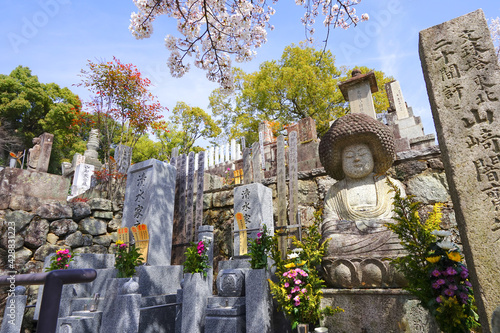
122 106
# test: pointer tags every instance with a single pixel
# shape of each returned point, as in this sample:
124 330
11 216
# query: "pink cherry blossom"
215 32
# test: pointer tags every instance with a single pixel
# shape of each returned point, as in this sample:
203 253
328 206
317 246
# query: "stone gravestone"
281 189
358 91
307 129
247 166
293 182
39 155
91 155
123 158
255 202
463 82
82 179
256 163
190 233
396 99
199 192
149 199
179 226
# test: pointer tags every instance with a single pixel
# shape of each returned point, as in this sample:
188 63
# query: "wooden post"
281 189
189 199
293 182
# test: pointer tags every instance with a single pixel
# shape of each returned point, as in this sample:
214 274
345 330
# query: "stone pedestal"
259 302
121 313
195 293
377 310
225 314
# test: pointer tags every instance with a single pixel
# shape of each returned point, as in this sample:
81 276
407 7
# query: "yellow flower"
119 242
290 265
301 263
455 256
433 260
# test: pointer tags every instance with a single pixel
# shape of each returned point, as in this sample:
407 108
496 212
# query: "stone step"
158 300
80 322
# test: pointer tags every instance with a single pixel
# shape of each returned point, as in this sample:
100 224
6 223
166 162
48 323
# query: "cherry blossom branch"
215 31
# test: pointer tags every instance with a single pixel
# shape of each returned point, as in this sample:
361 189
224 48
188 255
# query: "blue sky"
55 38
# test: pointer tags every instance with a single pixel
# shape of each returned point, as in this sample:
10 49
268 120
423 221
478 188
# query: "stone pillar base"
377 310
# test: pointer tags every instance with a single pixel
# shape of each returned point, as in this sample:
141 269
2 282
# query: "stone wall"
90 227
85 227
421 172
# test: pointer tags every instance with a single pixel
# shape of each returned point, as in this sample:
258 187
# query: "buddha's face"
357 161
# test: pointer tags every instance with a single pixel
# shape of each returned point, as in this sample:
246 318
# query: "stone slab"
396 99
13 314
153 279
235 264
234 324
365 308
293 186
31 184
196 291
149 199
82 179
123 158
255 202
124 316
259 302
462 75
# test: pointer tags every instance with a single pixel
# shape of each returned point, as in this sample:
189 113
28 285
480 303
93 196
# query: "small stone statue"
357 151
34 154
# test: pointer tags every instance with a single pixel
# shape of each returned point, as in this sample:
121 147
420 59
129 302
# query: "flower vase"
303 328
195 292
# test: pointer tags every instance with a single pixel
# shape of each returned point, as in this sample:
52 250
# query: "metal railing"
53 282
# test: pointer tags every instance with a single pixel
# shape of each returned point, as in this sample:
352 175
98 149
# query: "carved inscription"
462 63
245 197
139 197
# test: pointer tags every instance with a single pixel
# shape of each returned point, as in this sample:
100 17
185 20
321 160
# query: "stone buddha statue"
357 151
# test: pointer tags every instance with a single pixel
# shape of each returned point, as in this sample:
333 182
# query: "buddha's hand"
367 224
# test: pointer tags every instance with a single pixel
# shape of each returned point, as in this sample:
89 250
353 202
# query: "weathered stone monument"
149 199
358 92
357 151
463 82
407 128
123 158
255 202
91 155
39 155
69 168
82 179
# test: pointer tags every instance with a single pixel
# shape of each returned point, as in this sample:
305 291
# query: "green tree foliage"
192 123
145 149
303 83
28 108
